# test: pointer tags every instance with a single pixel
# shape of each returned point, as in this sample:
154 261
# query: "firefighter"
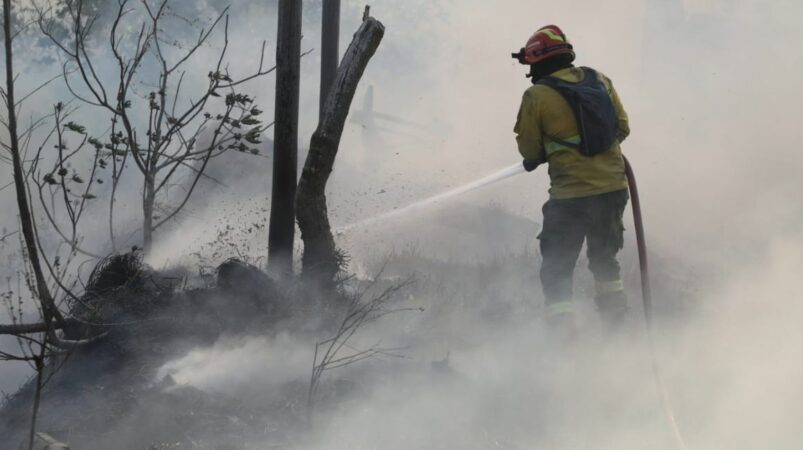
572 119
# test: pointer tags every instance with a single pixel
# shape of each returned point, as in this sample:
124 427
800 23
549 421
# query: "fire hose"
646 296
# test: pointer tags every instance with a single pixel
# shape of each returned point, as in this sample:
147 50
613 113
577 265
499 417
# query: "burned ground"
129 390
105 394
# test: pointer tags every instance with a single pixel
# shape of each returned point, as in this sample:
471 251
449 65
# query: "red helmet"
547 42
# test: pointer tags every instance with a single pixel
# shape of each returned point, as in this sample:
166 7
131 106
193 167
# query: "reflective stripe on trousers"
608 287
560 308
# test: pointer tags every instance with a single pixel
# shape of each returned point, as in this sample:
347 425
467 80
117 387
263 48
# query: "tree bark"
49 309
321 258
281 234
148 200
330 48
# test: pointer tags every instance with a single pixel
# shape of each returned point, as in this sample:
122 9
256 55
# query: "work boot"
612 307
561 321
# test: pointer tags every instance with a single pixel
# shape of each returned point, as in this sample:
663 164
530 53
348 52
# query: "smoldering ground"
715 149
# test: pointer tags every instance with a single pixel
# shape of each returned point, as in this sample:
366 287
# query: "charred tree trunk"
321 258
285 160
330 48
49 309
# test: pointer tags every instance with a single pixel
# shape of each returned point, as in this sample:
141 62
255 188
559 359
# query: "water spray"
495 177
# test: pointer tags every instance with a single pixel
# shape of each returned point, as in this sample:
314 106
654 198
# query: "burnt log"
322 260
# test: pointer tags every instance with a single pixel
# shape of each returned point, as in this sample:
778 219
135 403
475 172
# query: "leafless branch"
359 312
167 139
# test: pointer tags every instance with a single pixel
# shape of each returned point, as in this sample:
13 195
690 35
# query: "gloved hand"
530 164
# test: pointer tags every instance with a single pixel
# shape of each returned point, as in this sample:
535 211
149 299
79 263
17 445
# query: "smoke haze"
711 91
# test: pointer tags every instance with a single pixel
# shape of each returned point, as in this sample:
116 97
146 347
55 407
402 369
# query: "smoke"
710 89
716 159
732 371
741 356
235 363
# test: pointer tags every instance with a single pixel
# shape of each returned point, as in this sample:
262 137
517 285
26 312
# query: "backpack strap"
556 84
589 76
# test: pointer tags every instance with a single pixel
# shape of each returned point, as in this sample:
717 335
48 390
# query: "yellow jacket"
545 113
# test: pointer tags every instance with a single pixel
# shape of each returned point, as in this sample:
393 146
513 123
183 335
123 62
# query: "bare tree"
62 191
37 340
41 290
321 259
166 130
282 226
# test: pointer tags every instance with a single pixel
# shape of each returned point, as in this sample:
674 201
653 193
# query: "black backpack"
593 110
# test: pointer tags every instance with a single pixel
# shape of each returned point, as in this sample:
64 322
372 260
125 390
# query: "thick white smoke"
711 91
716 158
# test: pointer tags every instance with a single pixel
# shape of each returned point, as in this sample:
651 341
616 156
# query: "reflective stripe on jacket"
545 113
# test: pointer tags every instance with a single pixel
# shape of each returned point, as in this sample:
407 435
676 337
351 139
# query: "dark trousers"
567 223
